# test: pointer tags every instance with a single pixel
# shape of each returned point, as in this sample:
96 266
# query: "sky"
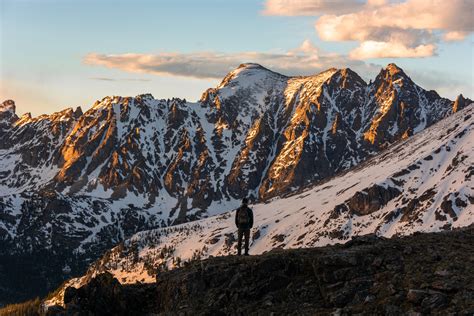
56 54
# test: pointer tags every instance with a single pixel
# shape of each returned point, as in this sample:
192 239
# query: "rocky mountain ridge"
74 184
258 133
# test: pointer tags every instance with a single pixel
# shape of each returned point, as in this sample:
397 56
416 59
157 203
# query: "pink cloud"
372 49
303 60
310 7
392 29
454 36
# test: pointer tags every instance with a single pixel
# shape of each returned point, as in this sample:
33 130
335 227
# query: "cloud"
306 48
304 60
198 65
392 29
454 15
310 7
372 49
455 36
355 27
119 79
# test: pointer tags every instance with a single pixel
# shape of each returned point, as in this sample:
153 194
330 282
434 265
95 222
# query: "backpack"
243 217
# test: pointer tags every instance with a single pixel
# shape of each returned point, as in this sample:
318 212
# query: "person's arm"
236 212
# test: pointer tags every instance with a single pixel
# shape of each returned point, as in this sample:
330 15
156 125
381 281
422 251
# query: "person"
244 222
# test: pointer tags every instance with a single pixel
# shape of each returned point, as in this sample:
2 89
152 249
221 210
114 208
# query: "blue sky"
67 53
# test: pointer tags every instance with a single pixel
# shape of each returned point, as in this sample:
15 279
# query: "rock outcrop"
420 274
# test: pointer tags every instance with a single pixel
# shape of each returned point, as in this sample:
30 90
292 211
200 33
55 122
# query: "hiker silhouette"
244 222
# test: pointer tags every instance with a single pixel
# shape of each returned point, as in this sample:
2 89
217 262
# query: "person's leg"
247 237
239 242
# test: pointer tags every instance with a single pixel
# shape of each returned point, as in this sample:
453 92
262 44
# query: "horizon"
64 54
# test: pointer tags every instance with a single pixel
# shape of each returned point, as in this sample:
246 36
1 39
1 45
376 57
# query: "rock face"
423 274
7 115
134 163
371 199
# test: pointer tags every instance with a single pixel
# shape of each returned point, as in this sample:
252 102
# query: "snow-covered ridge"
422 184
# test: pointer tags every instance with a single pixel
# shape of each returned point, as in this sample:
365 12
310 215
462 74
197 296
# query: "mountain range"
73 184
422 184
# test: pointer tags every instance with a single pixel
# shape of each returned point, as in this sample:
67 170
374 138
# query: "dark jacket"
244 208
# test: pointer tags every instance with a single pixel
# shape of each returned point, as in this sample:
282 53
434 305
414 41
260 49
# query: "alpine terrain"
73 184
422 184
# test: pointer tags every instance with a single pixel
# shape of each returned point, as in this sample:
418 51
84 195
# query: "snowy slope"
423 184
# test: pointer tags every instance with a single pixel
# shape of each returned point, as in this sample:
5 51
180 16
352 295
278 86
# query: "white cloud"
393 29
355 27
304 60
306 48
376 3
119 79
455 36
372 49
310 7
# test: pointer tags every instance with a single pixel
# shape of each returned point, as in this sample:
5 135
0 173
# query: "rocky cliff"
421 274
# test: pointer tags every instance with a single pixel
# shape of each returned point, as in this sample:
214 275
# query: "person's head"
245 201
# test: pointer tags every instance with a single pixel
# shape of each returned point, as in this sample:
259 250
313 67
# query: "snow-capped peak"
247 75
252 66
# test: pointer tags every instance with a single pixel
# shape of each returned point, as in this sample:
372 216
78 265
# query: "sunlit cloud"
455 36
310 7
120 79
304 60
372 49
391 29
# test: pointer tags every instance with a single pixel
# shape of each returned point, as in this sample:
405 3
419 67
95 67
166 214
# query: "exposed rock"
447 207
371 199
372 277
